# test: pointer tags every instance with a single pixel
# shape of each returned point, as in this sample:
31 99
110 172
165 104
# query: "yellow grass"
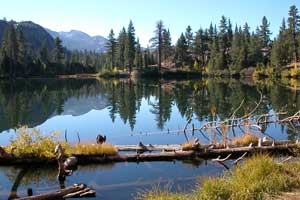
247 139
90 149
190 146
31 143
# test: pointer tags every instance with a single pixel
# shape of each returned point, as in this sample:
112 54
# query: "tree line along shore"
225 49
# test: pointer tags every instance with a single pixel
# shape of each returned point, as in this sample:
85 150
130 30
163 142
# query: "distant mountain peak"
34 34
78 40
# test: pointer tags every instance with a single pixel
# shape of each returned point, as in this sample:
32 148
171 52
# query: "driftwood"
74 191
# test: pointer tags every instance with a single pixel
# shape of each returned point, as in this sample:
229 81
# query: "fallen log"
178 147
207 153
149 147
77 190
203 152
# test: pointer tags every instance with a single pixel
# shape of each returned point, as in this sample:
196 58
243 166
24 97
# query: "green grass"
258 177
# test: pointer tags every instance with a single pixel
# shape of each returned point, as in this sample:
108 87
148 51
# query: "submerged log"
76 190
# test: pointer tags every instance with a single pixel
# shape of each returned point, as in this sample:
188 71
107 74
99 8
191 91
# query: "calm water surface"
128 112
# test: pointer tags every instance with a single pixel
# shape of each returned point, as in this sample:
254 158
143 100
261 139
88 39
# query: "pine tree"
167 44
255 46
138 62
121 45
130 46
9 50
44 53
189 37
229 33
145 59
280 53
181 50
222 57
294 27
157 41
214 54
58 51
238 51
264 33
200 46
111 46
22 51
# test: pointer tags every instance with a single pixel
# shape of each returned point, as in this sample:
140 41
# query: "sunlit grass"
256 178
246 139
31 143
156 193
190 146
91 149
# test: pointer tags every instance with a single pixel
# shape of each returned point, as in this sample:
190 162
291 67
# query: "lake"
128 112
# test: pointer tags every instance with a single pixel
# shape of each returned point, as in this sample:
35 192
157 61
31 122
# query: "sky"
97 17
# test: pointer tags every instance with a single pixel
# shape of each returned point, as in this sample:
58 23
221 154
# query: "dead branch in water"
240 158
77 190
221 161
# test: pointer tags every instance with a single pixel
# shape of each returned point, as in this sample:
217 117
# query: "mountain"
34 34
78 40
79 106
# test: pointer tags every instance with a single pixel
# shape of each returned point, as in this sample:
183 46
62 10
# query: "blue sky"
97 17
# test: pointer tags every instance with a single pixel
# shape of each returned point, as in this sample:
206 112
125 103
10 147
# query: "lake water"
128 112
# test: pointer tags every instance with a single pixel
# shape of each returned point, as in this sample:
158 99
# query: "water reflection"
140 106
112 181
120 109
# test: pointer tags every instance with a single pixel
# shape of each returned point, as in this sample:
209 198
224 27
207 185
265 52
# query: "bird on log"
101 139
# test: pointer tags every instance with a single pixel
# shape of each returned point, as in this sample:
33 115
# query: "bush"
31 143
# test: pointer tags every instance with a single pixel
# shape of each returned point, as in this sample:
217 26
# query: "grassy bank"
31 143
259 177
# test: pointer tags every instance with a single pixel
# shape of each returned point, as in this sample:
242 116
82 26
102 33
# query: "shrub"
31 143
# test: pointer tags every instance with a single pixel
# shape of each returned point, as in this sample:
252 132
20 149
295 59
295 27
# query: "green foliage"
181 50
138 59
18 59
219 48
111 45
294 72
196 65
31 143
130 46
58 51
166 44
